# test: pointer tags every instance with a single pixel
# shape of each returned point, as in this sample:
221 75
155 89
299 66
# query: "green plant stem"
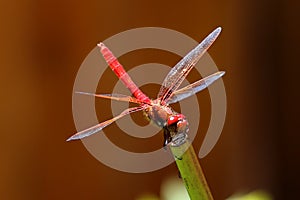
191 172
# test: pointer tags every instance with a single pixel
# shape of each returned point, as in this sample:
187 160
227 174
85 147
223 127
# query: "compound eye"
172 120
175 118
182 126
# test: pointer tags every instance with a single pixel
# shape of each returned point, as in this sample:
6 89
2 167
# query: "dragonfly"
174 125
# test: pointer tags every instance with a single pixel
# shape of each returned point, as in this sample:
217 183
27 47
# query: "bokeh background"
43 44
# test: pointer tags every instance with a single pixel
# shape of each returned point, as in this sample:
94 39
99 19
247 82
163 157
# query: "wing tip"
213 77
217 75
76 136
85 93
221 73
71 138
216 32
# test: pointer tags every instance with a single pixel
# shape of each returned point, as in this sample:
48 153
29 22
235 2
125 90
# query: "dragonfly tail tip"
101 45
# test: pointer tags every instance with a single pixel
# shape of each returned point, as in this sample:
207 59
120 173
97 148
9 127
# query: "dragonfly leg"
167 138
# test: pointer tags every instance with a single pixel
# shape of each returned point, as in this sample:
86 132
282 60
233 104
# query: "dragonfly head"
177 123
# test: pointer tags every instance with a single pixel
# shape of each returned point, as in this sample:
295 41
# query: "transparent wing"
117 97
99 127
181 69
194 87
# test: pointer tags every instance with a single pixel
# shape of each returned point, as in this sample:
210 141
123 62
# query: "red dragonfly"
175 125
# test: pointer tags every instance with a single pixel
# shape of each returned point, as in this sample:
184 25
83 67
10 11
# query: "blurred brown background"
43 44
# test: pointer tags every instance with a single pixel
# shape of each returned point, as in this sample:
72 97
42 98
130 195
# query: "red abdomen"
122 74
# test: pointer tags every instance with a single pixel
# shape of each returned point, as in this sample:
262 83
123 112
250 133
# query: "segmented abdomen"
122 74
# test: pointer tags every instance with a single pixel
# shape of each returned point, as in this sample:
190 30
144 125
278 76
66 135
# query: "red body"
175 125
122 75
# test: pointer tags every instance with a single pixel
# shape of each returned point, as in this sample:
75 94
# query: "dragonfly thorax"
159 114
